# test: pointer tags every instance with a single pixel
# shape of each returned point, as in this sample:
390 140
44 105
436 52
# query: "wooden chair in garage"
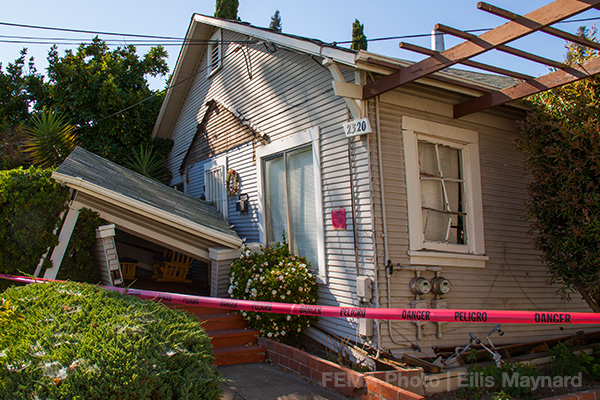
128 267
173 267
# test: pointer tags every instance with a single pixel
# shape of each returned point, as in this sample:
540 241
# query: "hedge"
77 341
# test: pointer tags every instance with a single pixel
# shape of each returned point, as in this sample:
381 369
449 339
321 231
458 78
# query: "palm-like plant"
148 162
50 138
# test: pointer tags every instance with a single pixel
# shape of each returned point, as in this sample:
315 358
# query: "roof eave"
147 210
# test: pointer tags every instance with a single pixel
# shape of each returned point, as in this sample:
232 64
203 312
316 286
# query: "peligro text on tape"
403 314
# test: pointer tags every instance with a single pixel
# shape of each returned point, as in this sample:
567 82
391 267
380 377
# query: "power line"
181 41
49 28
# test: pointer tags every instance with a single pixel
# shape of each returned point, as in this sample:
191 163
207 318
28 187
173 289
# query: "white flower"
289 292
269 334
274 292
276 328
282 333
282 297
300 289
289 317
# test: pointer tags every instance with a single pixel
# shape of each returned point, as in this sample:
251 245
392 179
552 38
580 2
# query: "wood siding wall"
513 278
287 94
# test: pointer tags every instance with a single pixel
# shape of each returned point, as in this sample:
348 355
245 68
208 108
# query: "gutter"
148 211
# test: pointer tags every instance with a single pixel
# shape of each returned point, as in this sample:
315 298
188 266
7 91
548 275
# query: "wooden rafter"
469 63
512 30
550 30
527 88
503 48
439 78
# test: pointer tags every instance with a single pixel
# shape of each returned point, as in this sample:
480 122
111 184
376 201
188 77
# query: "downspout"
384 224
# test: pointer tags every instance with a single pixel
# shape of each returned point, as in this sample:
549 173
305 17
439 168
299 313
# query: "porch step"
232 341
213 322
233 337
243 354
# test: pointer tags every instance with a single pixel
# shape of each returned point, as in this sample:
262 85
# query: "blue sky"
327 20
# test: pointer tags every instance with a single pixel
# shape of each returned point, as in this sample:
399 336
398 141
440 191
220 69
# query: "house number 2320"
357 127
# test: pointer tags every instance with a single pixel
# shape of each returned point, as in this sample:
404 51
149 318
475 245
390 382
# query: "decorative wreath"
233 183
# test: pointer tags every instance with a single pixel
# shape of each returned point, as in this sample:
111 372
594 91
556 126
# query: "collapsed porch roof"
144 207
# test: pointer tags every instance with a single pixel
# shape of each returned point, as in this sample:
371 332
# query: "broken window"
442 193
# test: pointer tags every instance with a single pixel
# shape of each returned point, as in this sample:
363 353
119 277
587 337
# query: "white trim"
446 259
468 142
220 161
218 37
342 56
299 139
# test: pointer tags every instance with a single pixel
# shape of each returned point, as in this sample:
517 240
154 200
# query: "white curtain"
294 169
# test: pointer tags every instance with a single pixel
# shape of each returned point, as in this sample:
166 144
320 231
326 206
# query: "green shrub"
30 203
480 381
79 263
77 341
274 275
561 147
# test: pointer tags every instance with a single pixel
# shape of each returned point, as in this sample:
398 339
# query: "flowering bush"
274 275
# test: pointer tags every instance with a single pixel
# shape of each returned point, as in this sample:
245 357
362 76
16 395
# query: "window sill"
214 71
445 259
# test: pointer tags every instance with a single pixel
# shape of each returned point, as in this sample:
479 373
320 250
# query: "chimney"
437 41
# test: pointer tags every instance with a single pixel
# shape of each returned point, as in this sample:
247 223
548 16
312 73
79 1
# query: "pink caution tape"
403 314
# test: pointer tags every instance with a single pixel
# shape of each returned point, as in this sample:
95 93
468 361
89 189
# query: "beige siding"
290 93
513 278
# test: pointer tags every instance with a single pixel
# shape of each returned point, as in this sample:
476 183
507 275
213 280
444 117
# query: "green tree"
359 40
561 143
20 86
275 22
149 161
227 9
51 139
105 94
12 148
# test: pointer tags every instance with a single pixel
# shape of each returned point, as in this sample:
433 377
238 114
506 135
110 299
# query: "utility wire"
180 40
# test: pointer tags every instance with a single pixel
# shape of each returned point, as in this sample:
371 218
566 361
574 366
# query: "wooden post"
63 241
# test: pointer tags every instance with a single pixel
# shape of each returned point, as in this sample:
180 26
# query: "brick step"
233 337
213 322
199 310
231 355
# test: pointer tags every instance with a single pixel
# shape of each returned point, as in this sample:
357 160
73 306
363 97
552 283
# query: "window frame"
289 143
422 252
216 41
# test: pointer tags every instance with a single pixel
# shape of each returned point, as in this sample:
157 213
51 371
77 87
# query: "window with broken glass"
442 193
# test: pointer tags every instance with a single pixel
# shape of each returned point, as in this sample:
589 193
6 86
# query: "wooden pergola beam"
549 30
469 63
549 81
503 48
432 77
512 30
